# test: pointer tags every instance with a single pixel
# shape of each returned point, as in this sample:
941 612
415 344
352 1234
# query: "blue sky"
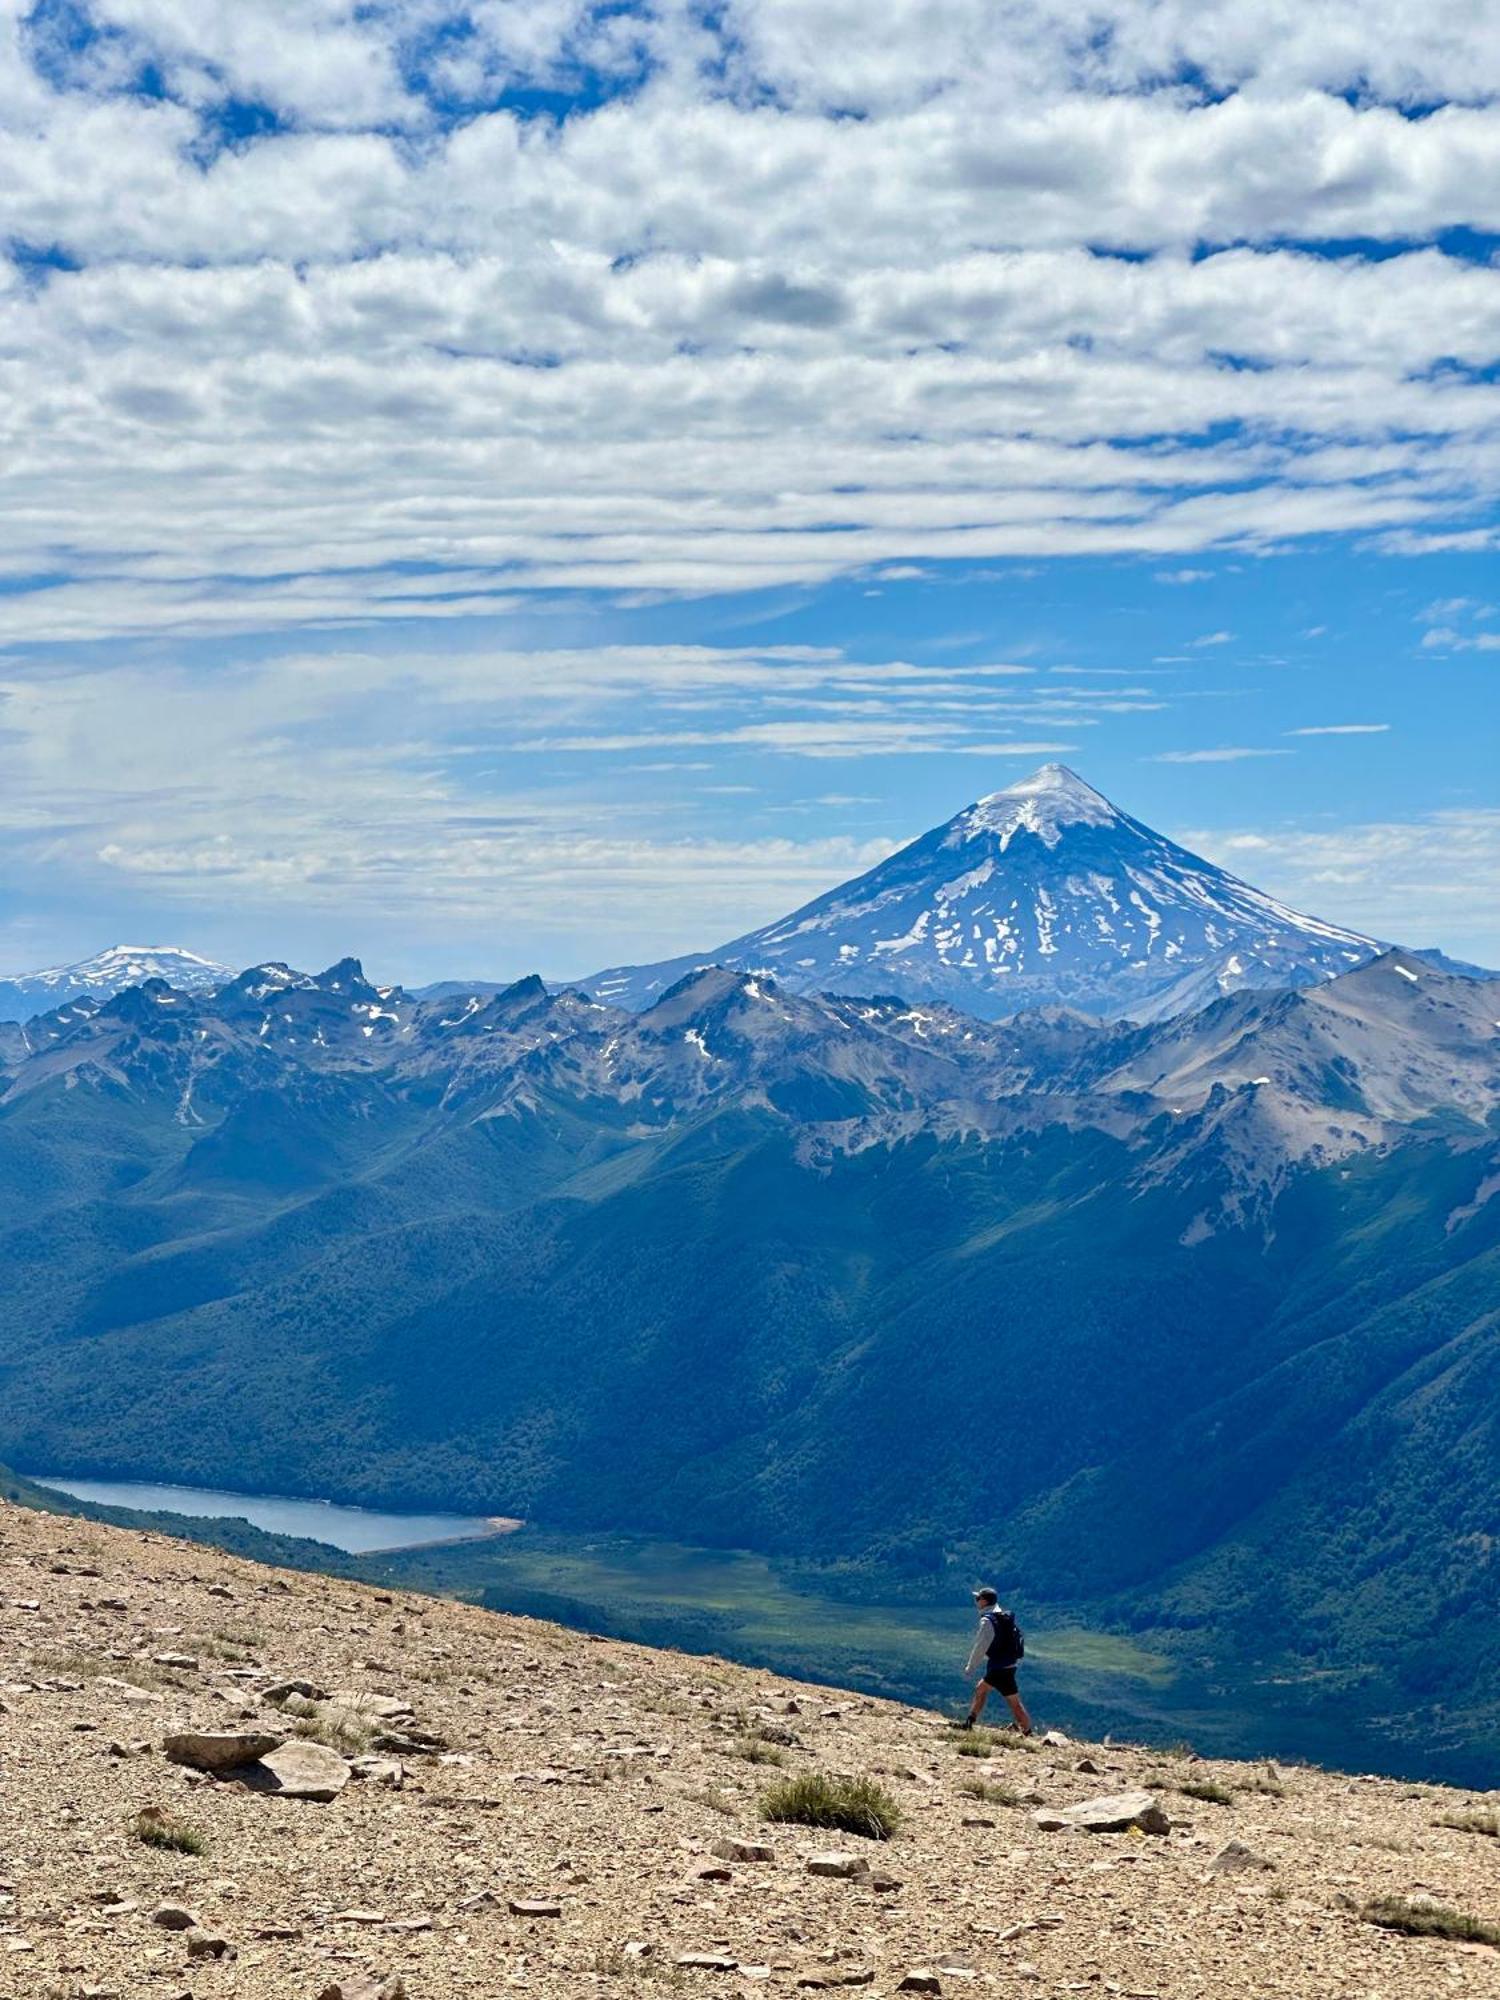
529 483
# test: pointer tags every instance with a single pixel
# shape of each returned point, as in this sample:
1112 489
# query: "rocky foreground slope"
503 1806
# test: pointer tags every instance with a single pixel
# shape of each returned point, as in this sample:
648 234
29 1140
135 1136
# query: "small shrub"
751 1750
1473 1822
1266 1788
1395 1913
992 1794
852 1805
155 1828
1208 1790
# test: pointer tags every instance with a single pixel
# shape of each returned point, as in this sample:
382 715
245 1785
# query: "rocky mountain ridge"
463 1803
1331 1069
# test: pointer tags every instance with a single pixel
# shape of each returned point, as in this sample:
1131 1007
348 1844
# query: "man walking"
998 1647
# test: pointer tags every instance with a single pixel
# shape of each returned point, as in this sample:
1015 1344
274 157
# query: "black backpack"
1007 1644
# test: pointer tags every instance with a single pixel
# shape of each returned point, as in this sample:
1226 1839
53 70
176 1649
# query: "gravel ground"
598 1780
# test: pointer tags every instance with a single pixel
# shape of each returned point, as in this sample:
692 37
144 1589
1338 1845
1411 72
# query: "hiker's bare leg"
981 1696
1018 1710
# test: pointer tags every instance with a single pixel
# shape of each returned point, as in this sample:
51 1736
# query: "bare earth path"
508 1762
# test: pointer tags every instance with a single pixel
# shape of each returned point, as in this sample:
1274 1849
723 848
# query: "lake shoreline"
352 1530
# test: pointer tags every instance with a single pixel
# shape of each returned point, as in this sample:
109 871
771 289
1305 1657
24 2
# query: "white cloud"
1342 729
705 336
1423 881
1455 625
400 791
1232 755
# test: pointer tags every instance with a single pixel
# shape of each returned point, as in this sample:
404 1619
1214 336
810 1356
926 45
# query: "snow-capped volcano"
108 972
1039 894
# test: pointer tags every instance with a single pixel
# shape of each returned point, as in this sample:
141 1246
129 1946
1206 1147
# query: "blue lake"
356 1530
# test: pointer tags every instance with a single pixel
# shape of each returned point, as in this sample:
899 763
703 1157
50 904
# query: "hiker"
998 1648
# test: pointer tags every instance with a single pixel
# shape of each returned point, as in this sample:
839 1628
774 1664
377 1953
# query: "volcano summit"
1041 894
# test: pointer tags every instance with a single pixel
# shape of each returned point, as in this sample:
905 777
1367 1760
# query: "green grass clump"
754 1750
1395 1913
335 1728
154 1828
1208 1790
852 1805
1473 1822
992 1794
982 1742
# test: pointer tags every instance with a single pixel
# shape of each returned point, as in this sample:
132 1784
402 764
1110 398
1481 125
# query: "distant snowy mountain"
107 973
1041 894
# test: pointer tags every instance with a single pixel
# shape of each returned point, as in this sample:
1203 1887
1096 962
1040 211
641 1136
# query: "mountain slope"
741 1267
1040 894
582 1815
108 972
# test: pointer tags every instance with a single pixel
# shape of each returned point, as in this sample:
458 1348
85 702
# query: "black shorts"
1001 1679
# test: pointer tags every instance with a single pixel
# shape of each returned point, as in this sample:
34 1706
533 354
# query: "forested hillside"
1193 1325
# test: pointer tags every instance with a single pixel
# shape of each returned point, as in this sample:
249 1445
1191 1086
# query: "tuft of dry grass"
1208 1789
155 1828
752 1750
335 1728
1263 1787
1422 1919
1473 1822
850 1805
614 1962
985 1742
991 1793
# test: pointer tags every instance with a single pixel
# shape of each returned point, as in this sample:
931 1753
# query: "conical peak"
1048 781
1051 798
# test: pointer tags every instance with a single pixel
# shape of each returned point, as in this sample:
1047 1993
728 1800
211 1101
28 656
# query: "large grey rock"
1234 1858
205 1944
174 1917
282 1691
379 1771
846 1867
744 1850
301 1770
219 1749
1116 1815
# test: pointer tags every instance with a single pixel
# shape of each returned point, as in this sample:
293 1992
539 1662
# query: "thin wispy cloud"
1230 755
1342 729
